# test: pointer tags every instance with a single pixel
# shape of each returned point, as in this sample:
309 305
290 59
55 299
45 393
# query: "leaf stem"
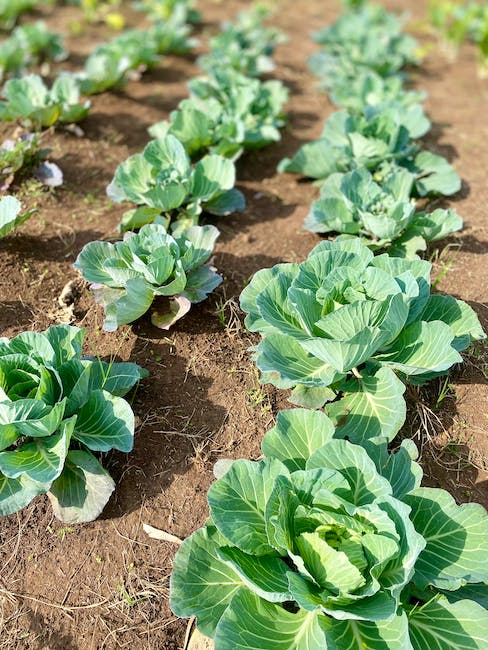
356 373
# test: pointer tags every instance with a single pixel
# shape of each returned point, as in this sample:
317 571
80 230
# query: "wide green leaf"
435 175
238 501
116 378
83 489
250 623
422 348
477 591
28 417
127 305
284 362
372 406
167 152
460 317
363 635
17 493
66 342
42 460
221 205
398 467
356 466
457 539
440 625
260 280
212 175
265 576
297 435
105 422
202 583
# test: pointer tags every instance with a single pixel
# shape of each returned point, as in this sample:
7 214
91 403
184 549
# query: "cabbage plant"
111 63
370 89
24 155
10 10
368 39
31 102
246 45
325 544
127 276
162 180
384 216
226 113
381 141
57 408
347 328
172 36
29 44
165 10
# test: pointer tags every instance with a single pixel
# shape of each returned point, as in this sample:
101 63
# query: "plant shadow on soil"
431 142
77 174
132 130
173 70
261 207
433 410
38 624
237 270
175 416
15 312
261 164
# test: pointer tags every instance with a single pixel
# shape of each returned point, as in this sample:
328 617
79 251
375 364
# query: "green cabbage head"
348 328
57 408
129 275
327 545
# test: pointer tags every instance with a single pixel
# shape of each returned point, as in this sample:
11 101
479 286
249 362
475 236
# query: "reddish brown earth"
105 584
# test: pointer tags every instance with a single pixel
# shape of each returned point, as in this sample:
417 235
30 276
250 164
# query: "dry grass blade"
162 535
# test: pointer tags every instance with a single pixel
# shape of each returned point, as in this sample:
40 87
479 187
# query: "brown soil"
105 584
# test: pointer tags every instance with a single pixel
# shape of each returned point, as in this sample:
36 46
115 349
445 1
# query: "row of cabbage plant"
29 102
186 171
59 408
371 169
330 541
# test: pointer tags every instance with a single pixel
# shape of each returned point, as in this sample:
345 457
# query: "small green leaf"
10 216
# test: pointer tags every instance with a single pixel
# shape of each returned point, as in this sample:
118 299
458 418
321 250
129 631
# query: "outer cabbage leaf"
11 216
458 626
250 620
83 489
